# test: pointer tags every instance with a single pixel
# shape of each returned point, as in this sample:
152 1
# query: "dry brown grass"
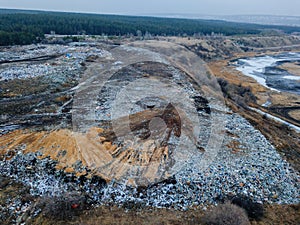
285 140
234 146
221 69
87 215
295 114
226 214
274 215
293 68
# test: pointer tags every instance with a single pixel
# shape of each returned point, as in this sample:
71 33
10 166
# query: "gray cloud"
208 7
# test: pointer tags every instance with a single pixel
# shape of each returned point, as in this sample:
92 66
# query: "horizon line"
153 14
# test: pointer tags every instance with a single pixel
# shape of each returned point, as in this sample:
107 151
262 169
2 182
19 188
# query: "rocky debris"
29 71
44 189
26 52
96 151
14 200
143 113
34 62
256 171
247 164
39 93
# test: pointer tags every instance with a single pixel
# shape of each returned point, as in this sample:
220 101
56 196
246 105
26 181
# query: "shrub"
226 214
241 95
63 207
253 209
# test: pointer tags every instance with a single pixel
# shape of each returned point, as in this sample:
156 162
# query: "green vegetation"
19 38
24 27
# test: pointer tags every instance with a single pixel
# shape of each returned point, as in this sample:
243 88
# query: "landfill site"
80 124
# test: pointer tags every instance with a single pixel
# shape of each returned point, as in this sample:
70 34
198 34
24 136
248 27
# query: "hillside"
116 128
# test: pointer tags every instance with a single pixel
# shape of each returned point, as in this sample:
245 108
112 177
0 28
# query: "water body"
265 70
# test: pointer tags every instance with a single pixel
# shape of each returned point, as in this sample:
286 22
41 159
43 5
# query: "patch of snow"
267 104
292 77
253 66
292 126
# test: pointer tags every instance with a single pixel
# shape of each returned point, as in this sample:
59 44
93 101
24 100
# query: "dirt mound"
95 148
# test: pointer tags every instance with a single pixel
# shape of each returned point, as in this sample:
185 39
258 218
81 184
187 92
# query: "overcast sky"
140 7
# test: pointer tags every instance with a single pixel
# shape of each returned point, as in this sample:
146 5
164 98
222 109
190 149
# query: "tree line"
24 27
